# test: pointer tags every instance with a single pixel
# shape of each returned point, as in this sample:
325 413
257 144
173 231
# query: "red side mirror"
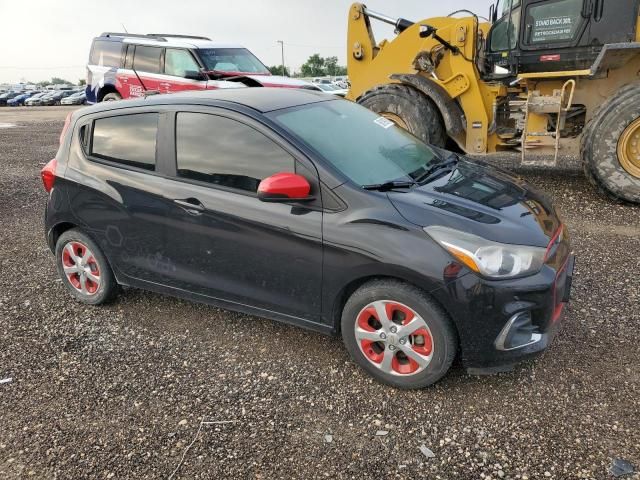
282 187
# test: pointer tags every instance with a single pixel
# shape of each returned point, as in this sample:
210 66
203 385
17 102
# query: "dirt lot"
120 391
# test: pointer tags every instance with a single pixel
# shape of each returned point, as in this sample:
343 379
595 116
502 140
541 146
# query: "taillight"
48 174
67 121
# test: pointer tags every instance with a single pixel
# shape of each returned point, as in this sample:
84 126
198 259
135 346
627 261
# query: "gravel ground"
120 391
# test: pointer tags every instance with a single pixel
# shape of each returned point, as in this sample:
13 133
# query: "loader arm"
451 67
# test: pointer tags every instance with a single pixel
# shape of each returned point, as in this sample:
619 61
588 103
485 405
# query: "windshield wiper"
438 169
386 186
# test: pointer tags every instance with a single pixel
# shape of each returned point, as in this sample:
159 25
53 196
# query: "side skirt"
226 304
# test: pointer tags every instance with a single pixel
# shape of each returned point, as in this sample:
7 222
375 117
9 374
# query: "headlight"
488 258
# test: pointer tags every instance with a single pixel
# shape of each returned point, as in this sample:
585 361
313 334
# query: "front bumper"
491 316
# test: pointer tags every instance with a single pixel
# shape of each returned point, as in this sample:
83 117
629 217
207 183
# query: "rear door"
118 186
142 70
225 243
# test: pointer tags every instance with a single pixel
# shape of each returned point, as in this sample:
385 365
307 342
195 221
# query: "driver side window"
178 62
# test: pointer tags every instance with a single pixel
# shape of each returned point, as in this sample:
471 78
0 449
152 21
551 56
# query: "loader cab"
534 36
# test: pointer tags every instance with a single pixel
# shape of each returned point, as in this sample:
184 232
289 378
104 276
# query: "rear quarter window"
105 52
126 139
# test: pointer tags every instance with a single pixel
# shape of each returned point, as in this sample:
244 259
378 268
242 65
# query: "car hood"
267 81
484 200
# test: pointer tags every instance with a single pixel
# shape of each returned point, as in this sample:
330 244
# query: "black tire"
443 334
107 287
419 114
111 97
599 145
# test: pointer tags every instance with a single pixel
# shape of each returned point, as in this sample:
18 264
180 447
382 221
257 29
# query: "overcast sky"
44 38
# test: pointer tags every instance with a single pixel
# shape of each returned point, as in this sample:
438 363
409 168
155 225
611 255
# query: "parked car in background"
21 99
124 65
56 97
313 210
5 97
78 98
332 89
36 99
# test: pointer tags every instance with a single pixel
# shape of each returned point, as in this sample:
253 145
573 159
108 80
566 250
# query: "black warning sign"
553 29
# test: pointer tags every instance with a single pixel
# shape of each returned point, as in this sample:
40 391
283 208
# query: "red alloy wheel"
81 268
394 338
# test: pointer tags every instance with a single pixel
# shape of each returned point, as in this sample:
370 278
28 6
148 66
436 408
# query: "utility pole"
281 42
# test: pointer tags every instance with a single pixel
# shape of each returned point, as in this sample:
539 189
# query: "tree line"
315 66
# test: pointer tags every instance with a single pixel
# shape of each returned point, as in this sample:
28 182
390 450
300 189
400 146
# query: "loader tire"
408 108
608 156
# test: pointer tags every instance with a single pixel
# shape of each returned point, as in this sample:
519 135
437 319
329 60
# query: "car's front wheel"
398 334
84 268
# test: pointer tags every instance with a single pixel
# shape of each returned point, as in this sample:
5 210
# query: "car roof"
261 99
168 41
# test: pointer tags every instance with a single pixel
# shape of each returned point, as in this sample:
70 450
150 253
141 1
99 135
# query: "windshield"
365 147
327 88
231 60
508 5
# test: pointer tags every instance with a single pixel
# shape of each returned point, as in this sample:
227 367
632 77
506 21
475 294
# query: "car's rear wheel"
84 269
111 97
398 334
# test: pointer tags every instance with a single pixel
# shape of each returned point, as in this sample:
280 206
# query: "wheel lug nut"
403 341
394 329
383 336
391 347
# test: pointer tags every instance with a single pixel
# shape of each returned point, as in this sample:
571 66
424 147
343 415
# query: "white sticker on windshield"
384 122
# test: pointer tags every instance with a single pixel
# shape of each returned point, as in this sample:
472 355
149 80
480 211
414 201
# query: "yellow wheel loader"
547 78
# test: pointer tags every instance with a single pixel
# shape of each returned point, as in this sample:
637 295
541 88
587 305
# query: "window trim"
127 61
251 123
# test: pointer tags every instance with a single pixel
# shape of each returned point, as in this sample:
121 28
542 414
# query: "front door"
225 243
180 72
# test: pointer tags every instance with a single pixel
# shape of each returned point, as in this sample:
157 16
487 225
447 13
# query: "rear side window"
226 152
104 52
126 139
147 59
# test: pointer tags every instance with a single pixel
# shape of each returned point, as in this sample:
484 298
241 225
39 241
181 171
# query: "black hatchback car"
312 210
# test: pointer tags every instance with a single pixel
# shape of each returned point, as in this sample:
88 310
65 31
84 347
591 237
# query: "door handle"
192 206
